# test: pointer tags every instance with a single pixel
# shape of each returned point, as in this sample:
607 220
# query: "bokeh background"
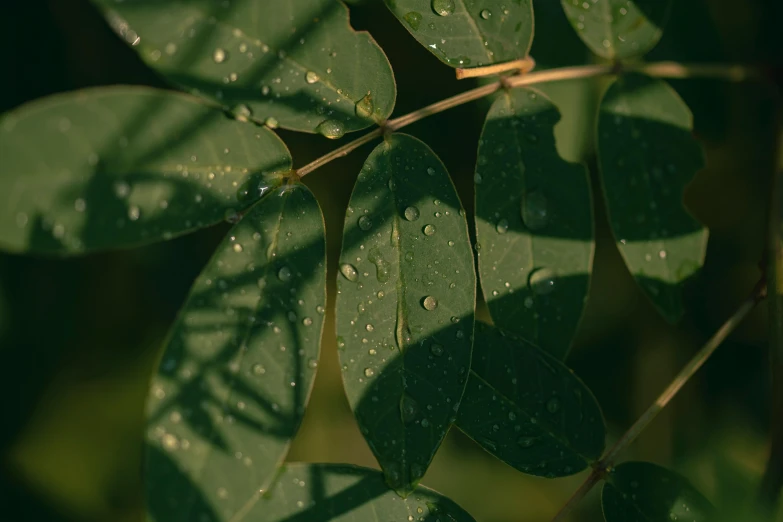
79 337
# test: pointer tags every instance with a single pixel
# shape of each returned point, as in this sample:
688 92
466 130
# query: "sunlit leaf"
341 493
534 223
293 63
528 409
237 373
405 306
467 33
644 492
647 155
618 29
122 166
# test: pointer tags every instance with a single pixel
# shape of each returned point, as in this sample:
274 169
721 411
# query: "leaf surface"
116 167
469 33
528 409
534 223
618 29
405 306
647 156
297 63
240 362
644 492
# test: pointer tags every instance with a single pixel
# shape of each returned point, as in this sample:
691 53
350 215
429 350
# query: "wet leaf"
528 409
644 492
299 65
469 34
647 156
534 223
116 167
618 29
240 362
405 306
342 493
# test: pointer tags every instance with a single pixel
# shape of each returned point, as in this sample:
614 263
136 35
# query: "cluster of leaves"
124 166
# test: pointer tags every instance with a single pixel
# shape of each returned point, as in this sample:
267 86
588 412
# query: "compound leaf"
117 167
466 34
534 223
647 156
405 306
297 64
528 409
618 29
644 492
240 363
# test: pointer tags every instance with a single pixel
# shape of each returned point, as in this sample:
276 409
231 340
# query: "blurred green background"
79 337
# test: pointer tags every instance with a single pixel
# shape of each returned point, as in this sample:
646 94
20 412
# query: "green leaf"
528 409
647 155
405 304
533 221
618 29
297 64
468 33
644 492
337 493
122 166
240 362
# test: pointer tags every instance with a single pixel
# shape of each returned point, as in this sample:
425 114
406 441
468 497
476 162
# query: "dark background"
78 337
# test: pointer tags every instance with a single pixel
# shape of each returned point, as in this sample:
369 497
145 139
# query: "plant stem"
730 72
606 463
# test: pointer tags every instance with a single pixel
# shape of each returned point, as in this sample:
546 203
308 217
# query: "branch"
736 73
605 464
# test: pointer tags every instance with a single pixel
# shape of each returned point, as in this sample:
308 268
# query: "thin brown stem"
729 72
647 417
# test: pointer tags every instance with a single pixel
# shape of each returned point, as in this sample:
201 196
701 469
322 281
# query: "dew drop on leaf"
412 213
408 408
502 226
429 230
365 223
332 129
534 210
443 7
436 350
429 303
219 55
311 77
284 274
414 19
542 281
271 122
369 372
486 14
349 272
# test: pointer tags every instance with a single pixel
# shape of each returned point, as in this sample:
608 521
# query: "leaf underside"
466 34
618 29
116 167
240 362
644 492
405 306
647 155
298 64
528 409
534 223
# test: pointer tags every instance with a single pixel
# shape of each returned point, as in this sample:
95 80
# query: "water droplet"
542 281
411 213
332 129
258 369
382 269
284 274
553 405
311 77
307 321
231 215
534 210
369 327
425 423
477 179
364 107
428 230
486 14
219 55
502 226
408 408
349 272
414 19
271 122
134 213
436 350
409 256
512 416
662 254
237 248
429 303
369 372
365 223
443 7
